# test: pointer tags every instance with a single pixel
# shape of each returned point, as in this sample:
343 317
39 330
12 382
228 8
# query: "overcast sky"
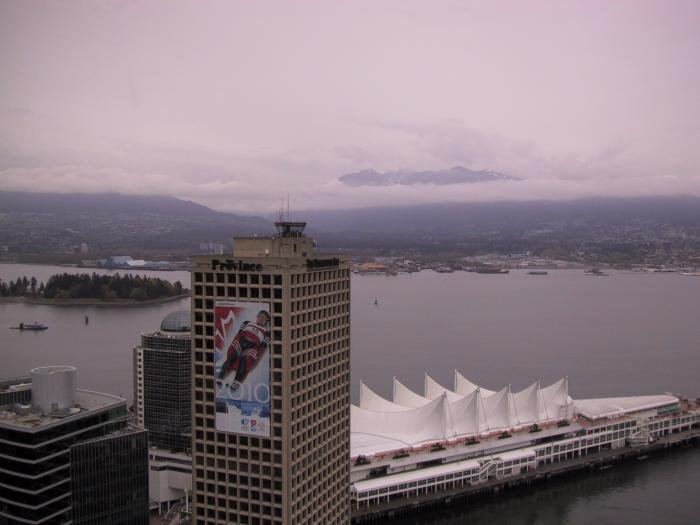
236 104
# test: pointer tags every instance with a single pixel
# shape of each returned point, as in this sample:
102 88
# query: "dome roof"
178 321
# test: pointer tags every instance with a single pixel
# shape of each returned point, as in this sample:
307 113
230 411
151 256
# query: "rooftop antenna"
280 212
288 228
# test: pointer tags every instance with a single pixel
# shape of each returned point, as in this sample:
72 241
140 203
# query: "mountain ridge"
454 175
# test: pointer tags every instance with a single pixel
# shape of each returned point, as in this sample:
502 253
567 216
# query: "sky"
237 105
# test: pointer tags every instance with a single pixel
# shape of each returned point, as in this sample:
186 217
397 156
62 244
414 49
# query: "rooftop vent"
53 387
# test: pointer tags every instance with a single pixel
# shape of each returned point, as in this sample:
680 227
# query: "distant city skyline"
235 105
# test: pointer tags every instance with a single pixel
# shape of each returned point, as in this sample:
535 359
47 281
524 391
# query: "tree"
32 285
138 294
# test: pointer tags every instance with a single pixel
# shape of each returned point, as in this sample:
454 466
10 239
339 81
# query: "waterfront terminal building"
271 390
465 436
163 405
67 455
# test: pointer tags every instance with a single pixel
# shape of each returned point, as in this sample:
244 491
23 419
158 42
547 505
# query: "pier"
593 461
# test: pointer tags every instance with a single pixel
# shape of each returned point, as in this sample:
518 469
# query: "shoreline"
92 302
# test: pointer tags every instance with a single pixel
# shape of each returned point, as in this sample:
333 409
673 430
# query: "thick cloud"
237 104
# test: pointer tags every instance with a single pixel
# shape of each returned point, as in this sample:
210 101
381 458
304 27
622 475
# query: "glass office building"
46 425
163 383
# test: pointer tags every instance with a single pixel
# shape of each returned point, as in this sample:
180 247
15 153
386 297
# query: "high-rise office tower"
69 455
163 403
163 383
271 389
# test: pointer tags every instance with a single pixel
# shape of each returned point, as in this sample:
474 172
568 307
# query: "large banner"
242 348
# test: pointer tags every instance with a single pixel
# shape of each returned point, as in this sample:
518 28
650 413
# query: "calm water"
101 349
627 334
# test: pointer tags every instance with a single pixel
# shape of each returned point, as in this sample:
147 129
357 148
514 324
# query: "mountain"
654 230
507 216
115 224
455 175
650 231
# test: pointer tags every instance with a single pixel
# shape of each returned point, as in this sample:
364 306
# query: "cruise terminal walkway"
394 507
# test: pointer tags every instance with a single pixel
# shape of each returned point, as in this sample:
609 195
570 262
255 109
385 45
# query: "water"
657 490
627 334
101 349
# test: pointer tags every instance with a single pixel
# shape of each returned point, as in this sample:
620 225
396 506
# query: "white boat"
596 272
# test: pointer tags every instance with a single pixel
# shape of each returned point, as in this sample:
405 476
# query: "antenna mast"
280 212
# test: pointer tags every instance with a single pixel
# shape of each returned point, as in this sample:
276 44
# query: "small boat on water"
538 272
596 272
691 274
491 270
35 327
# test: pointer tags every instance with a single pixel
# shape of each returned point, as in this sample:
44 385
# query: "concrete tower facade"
271 383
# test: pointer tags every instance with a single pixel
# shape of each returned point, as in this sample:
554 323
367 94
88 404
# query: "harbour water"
626 334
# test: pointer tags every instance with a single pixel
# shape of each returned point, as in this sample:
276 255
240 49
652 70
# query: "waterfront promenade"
597 460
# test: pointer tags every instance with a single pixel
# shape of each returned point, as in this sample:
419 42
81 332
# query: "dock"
384 511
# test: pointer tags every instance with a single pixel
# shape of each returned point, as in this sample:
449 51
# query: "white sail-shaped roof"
426 423
529 406
370 400
469 415
378 425
433 390
499 410
464 387
407 397
557 403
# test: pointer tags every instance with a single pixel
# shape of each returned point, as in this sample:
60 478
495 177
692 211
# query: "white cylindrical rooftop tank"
53 387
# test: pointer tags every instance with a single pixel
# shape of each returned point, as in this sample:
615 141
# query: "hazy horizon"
234 105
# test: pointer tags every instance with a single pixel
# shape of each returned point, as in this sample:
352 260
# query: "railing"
487 469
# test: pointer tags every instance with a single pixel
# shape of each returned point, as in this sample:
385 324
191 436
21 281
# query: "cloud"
146 98
257 182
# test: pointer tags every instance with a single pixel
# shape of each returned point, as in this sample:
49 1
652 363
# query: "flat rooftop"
611 407
17 383
86 401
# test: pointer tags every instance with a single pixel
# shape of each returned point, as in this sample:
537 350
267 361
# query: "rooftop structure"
179 321
412 419
50 398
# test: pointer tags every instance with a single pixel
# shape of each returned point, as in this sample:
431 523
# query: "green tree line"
93 286
22 287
